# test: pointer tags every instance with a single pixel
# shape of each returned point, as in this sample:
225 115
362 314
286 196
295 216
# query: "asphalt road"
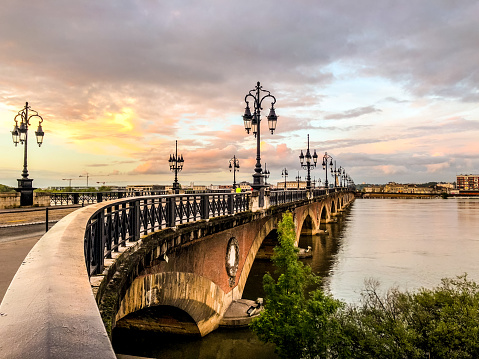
15 243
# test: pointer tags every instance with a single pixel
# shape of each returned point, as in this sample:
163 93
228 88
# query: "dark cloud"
353 113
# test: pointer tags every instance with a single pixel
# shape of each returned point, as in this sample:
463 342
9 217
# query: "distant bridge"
210 241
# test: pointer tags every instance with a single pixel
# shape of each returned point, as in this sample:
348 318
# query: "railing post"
231 203
99 197
171 212
134 220
75 198
204 206
99 243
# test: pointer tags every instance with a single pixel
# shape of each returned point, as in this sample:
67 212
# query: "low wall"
12 199
49 310
41 199
9 200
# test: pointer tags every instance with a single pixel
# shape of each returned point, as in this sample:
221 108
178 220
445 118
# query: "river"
408 243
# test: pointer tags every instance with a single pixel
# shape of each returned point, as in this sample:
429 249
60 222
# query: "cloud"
121 81
353 113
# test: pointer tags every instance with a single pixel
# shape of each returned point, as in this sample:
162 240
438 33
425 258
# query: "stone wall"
41 199
12 199
9 200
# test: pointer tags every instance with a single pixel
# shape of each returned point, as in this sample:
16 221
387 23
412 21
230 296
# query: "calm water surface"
405 242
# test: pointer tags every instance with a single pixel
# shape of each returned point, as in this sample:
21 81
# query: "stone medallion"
232 260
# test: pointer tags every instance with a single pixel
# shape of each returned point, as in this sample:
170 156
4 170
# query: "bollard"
46 219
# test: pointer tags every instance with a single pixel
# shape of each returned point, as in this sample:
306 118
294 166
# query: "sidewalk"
14 247
21 216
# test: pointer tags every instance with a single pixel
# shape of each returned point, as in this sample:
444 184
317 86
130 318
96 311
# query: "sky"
389 89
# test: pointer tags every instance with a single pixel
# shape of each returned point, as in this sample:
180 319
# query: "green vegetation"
442 322
4 189
299 325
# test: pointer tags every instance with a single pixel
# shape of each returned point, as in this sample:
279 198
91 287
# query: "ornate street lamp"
176 165
253 122
298 178
234 166
284 173
307 162
340 174
266 174
327 157
20 134
335 172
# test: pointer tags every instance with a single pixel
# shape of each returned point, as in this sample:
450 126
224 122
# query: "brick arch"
204 301
268 226
324 213
301 216
333 207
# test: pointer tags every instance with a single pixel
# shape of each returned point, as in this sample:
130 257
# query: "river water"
408 243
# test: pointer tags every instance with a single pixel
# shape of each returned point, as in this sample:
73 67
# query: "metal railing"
115 224
84 198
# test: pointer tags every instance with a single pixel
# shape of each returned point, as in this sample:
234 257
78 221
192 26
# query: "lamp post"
176 165
253 122
266 174
20 134
340 173
307 162
327 157
284 173
335 173
298 178
234 166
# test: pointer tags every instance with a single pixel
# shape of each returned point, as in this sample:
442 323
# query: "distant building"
393 187
290 185
467 182
373 189
245 186
144 188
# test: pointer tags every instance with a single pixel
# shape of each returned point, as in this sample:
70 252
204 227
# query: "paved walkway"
18 235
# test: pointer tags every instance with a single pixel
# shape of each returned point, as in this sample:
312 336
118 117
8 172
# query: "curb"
25 224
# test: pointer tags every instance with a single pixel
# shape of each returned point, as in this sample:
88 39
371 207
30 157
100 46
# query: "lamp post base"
258 181
26 191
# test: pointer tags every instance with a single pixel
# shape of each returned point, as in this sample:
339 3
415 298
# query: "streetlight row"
252 122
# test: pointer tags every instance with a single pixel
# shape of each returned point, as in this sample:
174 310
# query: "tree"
442 322
299 325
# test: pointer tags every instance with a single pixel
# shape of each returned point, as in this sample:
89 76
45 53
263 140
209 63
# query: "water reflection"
222 344
408 243
325 246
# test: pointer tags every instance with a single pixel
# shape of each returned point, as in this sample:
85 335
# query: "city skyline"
389 90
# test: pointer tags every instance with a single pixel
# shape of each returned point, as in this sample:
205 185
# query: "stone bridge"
193 255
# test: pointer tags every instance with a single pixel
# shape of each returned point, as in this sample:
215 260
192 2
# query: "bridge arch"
167 319
200 298
269 226
324 214
306 221
333 207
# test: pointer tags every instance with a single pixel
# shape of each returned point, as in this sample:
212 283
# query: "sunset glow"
389 91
